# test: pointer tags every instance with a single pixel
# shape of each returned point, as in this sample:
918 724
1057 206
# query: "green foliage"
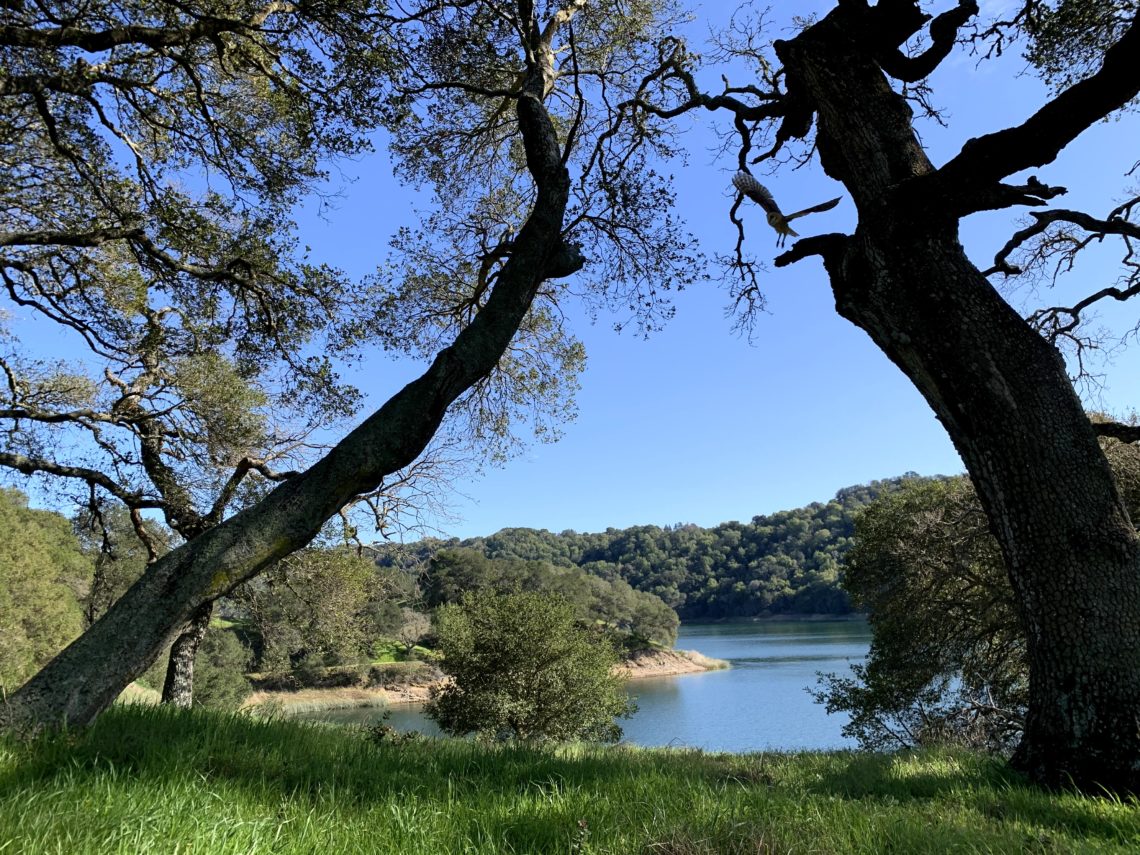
219 671
789 562
41 573
228 407
452 573
948 658
194 309
1067 39
152 779
521 667
620 209
317 606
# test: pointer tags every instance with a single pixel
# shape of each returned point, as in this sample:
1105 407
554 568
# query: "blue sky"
698 425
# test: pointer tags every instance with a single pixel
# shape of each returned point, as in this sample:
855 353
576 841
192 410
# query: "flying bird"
758 193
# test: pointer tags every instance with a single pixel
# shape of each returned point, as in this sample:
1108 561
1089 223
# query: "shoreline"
667 663
642 665
814 617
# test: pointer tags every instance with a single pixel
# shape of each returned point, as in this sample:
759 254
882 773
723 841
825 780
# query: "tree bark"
178 688
90 673
1003 394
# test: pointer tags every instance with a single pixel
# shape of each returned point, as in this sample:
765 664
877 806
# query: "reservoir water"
760 703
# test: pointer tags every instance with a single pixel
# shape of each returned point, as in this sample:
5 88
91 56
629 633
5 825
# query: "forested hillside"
785 563
636 617
323 608
43 576
789 562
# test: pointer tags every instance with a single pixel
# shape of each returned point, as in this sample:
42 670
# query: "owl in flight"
758 193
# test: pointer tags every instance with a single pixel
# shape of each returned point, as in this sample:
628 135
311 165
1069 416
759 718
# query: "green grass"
393 651
161 781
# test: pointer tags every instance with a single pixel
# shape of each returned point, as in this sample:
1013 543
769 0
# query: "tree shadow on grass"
905 775
299 758
987 786
1079 816
508 798
519 796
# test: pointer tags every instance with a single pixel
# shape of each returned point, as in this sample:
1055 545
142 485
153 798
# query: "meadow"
149 779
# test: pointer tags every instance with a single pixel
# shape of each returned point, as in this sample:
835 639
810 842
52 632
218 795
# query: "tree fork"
1003 395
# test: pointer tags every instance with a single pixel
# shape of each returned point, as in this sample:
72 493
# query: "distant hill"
789 562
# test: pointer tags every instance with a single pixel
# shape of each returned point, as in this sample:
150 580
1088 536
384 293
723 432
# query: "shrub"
521 667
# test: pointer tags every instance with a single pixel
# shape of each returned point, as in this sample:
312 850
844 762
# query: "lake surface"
759 703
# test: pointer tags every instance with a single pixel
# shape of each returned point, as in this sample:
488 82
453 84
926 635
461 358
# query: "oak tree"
948 658
846 86
151 157
175 136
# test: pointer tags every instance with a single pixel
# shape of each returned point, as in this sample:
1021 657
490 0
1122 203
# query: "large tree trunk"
90 673
178 688
1003 394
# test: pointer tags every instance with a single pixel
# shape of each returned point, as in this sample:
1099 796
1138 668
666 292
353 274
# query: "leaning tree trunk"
178 688
1003 394
91 672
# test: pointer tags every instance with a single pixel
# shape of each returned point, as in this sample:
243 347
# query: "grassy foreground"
159 781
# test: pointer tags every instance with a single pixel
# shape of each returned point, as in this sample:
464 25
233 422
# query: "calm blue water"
757 704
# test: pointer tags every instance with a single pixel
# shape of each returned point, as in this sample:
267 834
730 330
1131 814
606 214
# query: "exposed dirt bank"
645 663
667 663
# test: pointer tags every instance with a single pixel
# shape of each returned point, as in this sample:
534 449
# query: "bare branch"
943 35
961 184
1048 240
143 534
90 238
1115 224
829 247
1057 321
673 67
97 41
243 468
32 465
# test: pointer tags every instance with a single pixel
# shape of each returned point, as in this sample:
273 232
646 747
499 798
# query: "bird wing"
757 192
815 209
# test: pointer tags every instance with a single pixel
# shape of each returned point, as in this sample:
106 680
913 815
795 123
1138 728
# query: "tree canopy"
154 154
151 155
526 99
